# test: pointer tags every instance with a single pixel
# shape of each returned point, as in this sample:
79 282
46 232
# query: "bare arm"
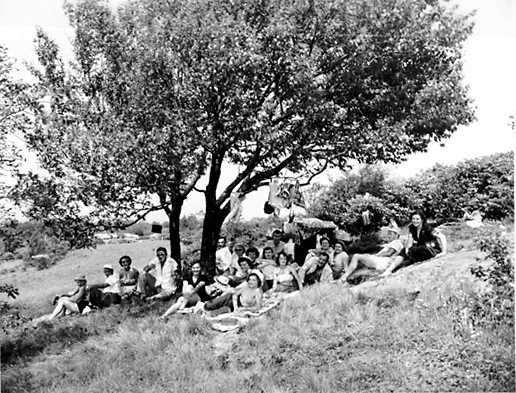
443 244
297 278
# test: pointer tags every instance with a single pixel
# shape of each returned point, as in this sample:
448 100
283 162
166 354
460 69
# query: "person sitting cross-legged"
194 290
162 285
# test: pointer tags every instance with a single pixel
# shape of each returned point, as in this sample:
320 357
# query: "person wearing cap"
107 293
162 283
73 302
128 277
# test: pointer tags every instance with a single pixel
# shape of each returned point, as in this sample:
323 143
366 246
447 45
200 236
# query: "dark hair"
125 257
161 249
324 238
253 249
196 262
339 242
286 256
244 259
277 231
222 237
323 254
267 248
420 214
257 278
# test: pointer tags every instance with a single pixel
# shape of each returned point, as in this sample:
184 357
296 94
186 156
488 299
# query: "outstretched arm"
443 244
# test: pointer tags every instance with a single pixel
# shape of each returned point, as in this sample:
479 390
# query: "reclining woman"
285 275
194 290
424 241
249 297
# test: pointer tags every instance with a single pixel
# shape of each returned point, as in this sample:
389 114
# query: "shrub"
496 305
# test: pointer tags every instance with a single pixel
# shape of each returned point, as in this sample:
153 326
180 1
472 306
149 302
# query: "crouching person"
108 293
158 280
194 290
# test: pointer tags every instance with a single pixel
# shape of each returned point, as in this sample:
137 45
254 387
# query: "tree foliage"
165 91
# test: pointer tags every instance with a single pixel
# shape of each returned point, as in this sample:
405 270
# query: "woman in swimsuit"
249 297
285 275
267 265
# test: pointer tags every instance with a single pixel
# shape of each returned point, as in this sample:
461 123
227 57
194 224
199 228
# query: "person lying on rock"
194 290
162 283
384 261
108 293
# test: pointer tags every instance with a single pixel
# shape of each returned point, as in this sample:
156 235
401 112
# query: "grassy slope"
371 338
38 287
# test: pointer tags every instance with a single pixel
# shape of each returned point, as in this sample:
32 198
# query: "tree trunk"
175 238
210 234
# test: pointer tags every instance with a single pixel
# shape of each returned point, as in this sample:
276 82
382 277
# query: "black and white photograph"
263 196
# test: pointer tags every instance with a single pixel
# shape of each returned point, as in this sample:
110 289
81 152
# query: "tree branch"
317 172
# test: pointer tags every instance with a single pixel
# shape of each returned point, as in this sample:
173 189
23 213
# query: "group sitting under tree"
244 272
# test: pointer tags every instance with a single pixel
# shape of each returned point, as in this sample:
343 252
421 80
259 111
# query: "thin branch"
314 174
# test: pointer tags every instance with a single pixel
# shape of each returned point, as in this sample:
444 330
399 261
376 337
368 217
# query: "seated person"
107 293
285 274
324 247
194 290
340 261
223 253
240 275
276 243
253 254
219 295
267 265
128 277
249 297
73 302
316 269
238 252
161 285
424 241
221 268
385 260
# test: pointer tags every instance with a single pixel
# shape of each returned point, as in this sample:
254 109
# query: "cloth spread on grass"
235 320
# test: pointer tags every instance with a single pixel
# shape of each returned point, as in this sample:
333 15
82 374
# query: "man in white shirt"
161 284
223 254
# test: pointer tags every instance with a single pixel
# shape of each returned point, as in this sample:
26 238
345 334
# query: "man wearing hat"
107 293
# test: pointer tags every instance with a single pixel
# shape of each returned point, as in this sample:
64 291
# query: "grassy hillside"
38 287
379 336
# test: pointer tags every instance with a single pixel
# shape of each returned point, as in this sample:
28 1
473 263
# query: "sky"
489 57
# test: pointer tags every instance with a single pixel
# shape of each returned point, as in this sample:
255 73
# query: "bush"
496 305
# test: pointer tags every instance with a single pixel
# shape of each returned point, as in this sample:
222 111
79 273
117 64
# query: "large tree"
269 86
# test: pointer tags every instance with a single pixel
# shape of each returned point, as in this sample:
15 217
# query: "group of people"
244 272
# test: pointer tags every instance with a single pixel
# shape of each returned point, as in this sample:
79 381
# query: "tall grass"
332 339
